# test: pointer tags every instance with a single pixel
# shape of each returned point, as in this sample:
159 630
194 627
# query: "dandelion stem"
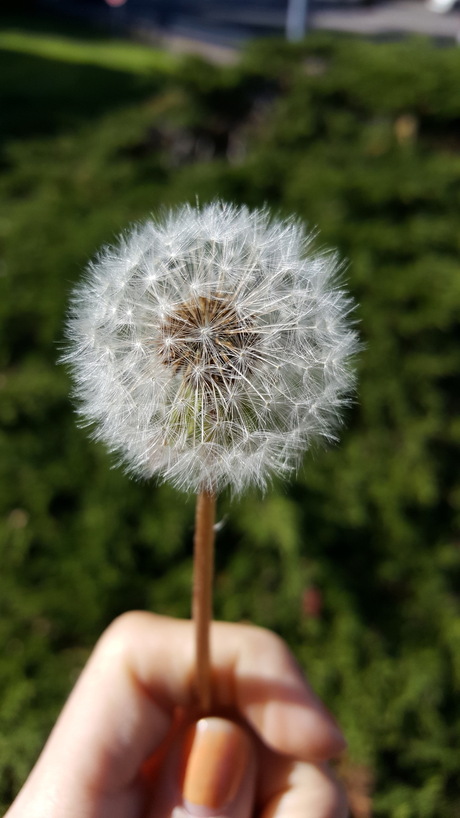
203 568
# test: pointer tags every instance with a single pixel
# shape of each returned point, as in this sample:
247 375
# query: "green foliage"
357 562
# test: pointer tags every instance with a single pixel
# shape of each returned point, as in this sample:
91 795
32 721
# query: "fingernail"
215 767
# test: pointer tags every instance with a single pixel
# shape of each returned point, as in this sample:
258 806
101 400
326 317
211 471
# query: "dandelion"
211 348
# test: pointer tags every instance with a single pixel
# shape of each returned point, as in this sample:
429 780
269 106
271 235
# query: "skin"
117 749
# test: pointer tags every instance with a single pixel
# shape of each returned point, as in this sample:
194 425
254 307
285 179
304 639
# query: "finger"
108 727
253 673
273 694
143 669
301 790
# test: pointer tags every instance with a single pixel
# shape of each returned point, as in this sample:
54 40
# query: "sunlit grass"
112 54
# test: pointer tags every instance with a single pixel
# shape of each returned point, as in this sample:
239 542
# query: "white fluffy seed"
210 348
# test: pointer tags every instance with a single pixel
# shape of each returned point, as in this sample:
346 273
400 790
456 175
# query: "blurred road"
223 24
388 18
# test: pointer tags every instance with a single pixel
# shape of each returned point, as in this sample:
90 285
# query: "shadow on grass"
43 93
41 22
39 97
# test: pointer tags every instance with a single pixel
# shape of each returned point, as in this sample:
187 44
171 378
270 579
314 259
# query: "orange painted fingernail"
215 767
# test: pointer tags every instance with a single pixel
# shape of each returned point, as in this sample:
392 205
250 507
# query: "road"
217 27
389 18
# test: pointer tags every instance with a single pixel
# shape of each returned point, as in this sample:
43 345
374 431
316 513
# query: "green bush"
357 562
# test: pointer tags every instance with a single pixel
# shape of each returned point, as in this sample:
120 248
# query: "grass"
113 54
53 75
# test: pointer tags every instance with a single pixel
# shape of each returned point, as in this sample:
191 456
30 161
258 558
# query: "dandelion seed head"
212 347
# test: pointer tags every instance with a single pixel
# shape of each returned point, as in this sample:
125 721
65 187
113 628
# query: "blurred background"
106 116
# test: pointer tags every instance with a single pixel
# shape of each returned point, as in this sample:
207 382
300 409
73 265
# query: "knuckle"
266 643
119 633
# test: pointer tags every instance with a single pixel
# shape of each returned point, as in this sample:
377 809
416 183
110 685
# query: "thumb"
220 771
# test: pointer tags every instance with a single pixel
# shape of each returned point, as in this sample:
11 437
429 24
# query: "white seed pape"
259 371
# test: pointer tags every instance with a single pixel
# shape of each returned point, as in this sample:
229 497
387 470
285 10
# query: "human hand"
125 745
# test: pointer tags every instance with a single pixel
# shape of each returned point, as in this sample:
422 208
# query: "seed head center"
207 339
